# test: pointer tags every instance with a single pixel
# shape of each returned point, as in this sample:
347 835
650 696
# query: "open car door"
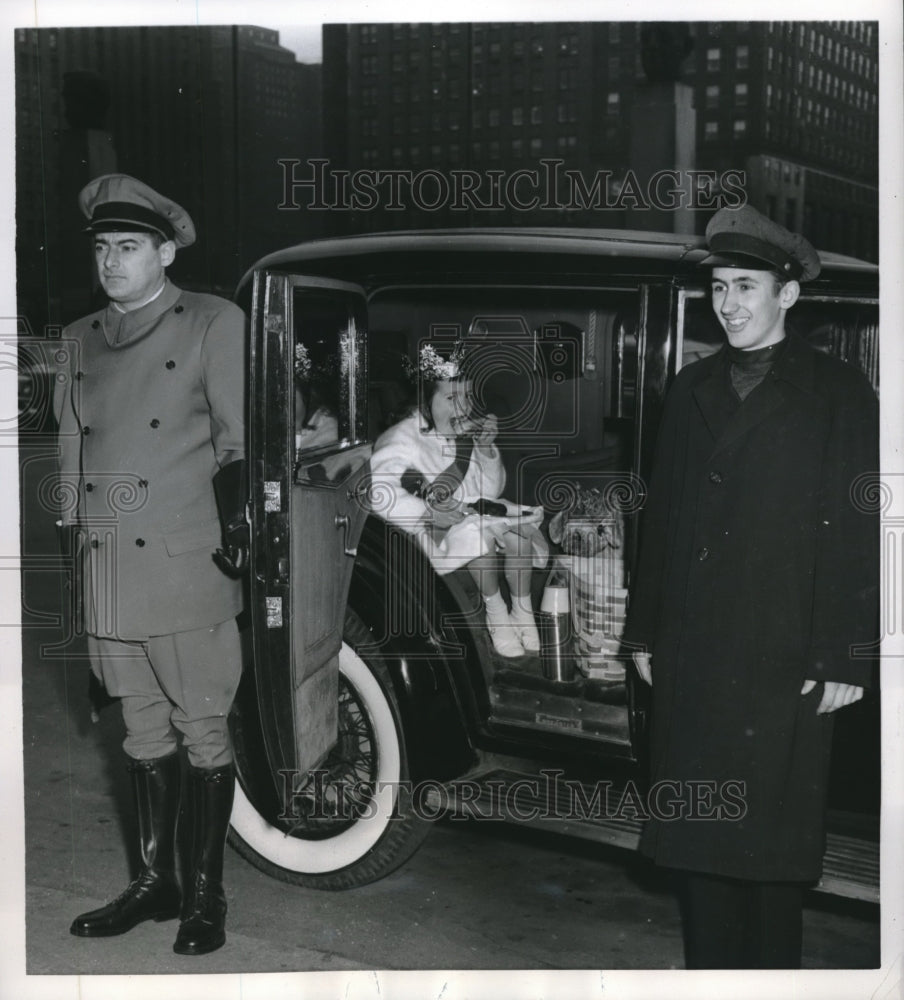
309 457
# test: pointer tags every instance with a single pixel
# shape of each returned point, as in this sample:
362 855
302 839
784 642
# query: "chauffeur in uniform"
151 421
758 575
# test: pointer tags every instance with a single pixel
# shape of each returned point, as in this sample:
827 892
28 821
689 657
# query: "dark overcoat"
758 571
150 404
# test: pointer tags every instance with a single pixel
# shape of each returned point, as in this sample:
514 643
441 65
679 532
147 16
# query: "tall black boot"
204 914
154 894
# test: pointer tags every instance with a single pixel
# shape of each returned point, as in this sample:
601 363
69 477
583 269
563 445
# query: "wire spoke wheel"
350 821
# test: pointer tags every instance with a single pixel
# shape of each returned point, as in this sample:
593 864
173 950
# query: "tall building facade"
792 106
201 113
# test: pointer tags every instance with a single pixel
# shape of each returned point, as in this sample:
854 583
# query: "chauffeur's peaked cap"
744 237
117 203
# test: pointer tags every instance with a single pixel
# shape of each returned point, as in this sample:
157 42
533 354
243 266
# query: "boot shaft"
211 794
156 786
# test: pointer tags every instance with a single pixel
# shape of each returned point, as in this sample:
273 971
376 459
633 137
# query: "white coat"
409 445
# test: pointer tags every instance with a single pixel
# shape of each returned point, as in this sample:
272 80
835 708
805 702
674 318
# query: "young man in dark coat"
150 406
757 580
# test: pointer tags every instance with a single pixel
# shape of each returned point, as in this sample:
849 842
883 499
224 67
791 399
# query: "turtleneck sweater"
748 368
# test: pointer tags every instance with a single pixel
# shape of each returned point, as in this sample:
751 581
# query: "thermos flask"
554 620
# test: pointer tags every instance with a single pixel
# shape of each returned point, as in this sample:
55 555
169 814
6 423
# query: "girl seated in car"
438 475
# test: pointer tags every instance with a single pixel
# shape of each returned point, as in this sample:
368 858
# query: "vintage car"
376 701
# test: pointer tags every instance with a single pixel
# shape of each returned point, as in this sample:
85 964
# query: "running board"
548 801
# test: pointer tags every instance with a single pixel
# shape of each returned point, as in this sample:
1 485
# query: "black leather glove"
231 491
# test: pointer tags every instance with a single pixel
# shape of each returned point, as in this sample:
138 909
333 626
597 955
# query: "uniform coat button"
171 365
95 324
143 483
139 542
89 487
178 309
86 430
715 477
155 422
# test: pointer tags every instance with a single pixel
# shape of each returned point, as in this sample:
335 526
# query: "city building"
202 114
790 106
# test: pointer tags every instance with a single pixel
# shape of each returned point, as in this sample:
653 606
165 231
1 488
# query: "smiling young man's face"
750 307
130 267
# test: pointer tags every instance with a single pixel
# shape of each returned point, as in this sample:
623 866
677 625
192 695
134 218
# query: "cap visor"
737 260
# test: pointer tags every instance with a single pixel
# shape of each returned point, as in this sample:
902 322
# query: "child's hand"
486 430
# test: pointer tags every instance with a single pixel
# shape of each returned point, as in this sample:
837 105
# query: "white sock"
522 603
495 603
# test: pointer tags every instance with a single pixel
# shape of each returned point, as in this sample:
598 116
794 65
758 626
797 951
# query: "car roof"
650 250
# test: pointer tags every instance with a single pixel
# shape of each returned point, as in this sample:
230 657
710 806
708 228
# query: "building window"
517 116
494 150
614 32
739 128
742 59
712 95
493 118
711 130
536 115
740 95
567 79
614 67
613 102
517 148
536 147
713 60
791 213
568 45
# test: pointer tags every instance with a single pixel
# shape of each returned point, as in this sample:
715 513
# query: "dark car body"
376 699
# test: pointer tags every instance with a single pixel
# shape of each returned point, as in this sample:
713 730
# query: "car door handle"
344 521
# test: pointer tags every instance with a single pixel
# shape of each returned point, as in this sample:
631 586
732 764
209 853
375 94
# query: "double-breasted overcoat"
758 571
150 404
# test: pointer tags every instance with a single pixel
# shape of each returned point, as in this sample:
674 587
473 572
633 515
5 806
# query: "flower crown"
302 362
433 367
